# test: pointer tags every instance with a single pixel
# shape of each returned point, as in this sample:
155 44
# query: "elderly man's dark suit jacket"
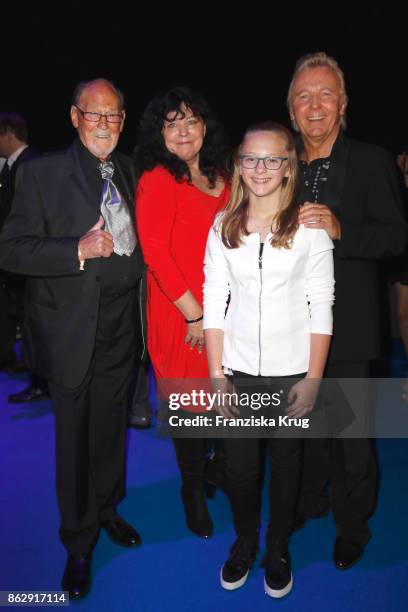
363 191
53 208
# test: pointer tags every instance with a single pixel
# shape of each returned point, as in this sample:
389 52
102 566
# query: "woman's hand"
195 335
302 397
224 404
192 311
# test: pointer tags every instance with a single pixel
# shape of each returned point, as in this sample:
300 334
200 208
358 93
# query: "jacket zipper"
261 246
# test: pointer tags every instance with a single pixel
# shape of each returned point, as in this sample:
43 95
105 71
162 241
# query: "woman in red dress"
180 163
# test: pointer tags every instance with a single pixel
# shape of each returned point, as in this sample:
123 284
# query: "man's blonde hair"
315 60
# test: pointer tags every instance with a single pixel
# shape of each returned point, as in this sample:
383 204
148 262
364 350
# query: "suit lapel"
333 190
78 179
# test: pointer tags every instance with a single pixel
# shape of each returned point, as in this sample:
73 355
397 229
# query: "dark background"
242 61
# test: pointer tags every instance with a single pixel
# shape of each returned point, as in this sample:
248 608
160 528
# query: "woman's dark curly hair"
150 150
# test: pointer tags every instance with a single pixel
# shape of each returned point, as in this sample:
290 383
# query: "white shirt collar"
15 155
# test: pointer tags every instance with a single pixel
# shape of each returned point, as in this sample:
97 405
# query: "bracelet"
81 261
194 320
217 374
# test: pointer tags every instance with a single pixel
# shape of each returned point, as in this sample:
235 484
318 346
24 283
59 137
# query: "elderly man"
350 189
71 231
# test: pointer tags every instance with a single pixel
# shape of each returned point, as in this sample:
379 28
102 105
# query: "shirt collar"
88 161
337 146
15 155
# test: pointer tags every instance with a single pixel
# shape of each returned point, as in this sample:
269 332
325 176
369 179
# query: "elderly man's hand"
96 242
320 215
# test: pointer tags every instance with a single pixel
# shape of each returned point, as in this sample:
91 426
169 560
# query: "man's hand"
320 216
96 242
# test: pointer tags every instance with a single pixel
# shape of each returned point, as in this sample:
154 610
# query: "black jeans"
243 458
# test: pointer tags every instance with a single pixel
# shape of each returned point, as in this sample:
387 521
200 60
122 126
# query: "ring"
320 218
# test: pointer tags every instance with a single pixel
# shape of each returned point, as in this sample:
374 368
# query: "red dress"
173 221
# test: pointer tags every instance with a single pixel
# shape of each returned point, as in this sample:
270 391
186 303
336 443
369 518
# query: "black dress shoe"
196 512
32 393
140 422
77 576
121 533
346 554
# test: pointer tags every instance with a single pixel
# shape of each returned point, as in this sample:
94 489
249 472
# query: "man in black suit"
351 190
14 147
71 231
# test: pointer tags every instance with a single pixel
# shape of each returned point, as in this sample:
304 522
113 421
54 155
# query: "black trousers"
7 325
91 429
243 457
140 405
349 464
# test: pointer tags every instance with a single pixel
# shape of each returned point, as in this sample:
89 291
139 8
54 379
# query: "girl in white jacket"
279 277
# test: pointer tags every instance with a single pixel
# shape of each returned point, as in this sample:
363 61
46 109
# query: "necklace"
257 226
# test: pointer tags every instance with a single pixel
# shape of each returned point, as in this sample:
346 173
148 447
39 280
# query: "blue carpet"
174 570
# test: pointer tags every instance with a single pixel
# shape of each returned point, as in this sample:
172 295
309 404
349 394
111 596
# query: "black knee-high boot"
214 467
190 453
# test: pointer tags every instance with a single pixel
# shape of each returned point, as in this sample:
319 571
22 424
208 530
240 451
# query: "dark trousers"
91 429
7 325
243 457
243 468
349 464
140 405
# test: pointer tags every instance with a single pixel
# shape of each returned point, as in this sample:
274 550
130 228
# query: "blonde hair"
235 217
315 60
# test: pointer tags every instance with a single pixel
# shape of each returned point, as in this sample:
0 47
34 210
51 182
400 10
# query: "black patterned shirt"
314 177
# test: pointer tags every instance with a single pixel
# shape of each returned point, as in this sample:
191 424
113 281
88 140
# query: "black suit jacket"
7 190
53 207
363 191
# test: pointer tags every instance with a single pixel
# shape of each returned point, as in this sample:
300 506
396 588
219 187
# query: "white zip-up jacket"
275 306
